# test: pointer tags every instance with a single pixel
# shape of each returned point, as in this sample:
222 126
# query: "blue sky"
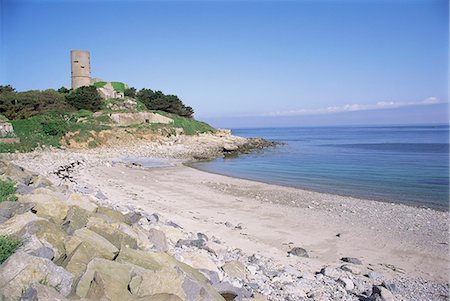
246 63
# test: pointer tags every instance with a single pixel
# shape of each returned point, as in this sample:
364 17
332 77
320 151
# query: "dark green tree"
130 92
86 98
64 90
7 88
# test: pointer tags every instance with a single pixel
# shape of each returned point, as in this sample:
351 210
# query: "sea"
407 164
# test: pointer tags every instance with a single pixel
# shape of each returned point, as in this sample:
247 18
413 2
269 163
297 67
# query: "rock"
380 293
114 216
24 189
351 268
346 283
107 278
330 272
48 233
161 266
21 270
119 234
229 292
145 260
97 242
82 201
8 209
47 206
351 260
173 235
297 251
17 223
202 263
77 218
40 292
252 269
78 260
158 238
133 217
235 269
228 147
202 236
99 195
163 297
44 252
197 243
372 275
390 286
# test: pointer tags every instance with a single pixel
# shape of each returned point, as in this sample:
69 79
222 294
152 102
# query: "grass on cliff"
189 125
7 191
8 245
49 129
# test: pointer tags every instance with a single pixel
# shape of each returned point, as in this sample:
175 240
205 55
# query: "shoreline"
405 244
400 202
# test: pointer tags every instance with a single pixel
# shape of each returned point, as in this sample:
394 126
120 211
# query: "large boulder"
161 267
82 201
50 234
203 263
105 277
16 224
8 209
48 205
40 292
22 270
97 242
76 218
77 261
119 234
113 215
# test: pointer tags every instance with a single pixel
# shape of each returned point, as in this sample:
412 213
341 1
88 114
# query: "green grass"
118 86
7 191
99 84
8 245
49 129
189 125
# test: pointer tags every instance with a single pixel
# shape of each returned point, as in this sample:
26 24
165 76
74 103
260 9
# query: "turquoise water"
408 164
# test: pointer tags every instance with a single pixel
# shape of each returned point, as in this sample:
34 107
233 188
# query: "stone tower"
81 68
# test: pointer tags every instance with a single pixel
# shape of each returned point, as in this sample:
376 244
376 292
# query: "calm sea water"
407 164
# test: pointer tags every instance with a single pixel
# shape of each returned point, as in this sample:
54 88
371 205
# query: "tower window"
75 61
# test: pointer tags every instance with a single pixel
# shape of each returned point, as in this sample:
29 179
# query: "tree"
19 105
7 88
156 100
130 92
64 90
85 97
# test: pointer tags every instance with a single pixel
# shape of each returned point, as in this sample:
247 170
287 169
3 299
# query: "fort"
80 62
81 68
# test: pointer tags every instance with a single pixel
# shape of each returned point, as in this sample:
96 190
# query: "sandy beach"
405 243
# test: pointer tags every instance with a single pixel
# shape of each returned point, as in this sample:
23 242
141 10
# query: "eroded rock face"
21 270
97 242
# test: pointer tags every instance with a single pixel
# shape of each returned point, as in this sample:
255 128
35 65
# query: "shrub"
7 88
130 92
156 100
31 103
86 98
8 245
54 125
7 190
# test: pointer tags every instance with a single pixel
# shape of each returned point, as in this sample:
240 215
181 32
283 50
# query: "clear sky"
246 63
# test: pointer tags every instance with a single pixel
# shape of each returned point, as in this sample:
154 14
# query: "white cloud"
354 107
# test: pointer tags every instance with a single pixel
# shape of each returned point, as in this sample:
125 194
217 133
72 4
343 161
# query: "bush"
156 100
7 191
8 245
54 125
85 98
31 103
7 89
130 92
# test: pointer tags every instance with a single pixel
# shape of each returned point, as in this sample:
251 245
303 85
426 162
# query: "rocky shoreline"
58 219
